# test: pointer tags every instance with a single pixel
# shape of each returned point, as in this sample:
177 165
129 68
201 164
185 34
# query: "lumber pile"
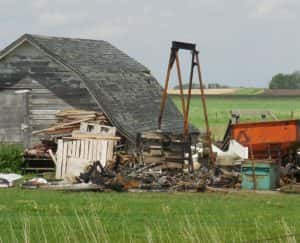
167 150
69 120
94 126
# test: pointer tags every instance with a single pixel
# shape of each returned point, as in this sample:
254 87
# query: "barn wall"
52 86
13 122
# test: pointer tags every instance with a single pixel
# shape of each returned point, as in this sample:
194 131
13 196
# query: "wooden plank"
94 150
86 149
59 126
90 155
71 112
80 135
77 153
103 152
64 161
59 154
46 101
52 156
26 129
43 112
81 149
111 145
58 101
61 107
71 92
69 155
70 148
41 91
73 149
98 157
43 117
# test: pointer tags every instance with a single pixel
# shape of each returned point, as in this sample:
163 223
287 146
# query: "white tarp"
11 178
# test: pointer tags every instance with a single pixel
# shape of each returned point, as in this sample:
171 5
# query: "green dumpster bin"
266 175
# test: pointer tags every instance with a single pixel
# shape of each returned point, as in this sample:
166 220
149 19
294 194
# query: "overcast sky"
241 42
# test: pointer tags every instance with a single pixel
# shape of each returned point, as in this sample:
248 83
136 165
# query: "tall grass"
11 157
48 216
90 228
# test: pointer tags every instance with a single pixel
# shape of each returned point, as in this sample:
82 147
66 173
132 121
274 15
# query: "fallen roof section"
123 88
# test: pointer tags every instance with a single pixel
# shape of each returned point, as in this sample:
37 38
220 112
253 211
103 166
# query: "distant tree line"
208 86
285 81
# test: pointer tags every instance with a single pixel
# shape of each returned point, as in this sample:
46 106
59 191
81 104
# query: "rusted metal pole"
186 115
180 82
165 92
204 108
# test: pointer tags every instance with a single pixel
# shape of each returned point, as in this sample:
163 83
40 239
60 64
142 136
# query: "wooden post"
253 168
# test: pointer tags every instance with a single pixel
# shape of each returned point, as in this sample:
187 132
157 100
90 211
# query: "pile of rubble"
143 178
163 162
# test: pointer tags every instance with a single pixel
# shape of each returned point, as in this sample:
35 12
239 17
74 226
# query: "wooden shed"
42 75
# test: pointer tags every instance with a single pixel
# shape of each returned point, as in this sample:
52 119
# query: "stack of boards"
69 120
165 150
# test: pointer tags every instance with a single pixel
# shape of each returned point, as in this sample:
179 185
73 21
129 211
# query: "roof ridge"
63 38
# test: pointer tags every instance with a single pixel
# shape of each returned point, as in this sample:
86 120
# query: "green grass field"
220 106
42 216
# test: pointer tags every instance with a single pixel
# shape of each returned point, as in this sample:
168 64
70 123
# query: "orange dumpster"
268 139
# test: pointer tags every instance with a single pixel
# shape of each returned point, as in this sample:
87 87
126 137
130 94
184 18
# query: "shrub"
11 157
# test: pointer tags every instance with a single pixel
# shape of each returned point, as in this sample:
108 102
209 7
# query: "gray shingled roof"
123 88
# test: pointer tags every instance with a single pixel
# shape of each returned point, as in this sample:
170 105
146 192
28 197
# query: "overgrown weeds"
11 158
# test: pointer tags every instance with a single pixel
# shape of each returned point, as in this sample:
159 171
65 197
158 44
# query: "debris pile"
163 162
67 125
144 178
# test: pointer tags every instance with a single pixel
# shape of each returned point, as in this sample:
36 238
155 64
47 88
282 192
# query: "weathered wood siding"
53 87
13 118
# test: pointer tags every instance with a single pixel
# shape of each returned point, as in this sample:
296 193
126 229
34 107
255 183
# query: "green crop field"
220 106
43 216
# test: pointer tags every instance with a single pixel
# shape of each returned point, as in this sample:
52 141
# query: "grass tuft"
11 158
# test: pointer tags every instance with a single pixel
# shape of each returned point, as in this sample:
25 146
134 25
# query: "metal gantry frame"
174 58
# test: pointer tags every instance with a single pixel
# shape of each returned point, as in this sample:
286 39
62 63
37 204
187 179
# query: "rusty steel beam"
180 81
208 132
165 92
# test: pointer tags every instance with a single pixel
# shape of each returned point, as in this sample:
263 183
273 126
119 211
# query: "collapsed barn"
103 119
40 76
